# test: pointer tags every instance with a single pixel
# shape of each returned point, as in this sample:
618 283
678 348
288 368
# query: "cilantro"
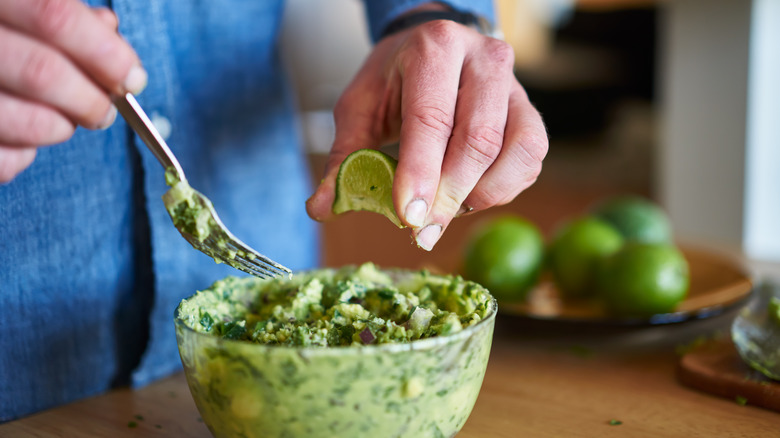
742 401
206 321
132 424
231 330
615 422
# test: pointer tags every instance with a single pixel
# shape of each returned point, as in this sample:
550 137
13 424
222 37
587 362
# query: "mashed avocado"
327 308
353 352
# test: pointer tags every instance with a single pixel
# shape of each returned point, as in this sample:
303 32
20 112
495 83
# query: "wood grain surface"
543 380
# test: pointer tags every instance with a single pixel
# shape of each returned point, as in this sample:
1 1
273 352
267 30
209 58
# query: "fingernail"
108 120
415 212
428 236
136 79
464 209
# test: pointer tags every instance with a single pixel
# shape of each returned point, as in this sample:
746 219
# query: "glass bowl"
423 388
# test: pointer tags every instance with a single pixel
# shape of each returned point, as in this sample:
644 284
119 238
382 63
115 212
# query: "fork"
201 226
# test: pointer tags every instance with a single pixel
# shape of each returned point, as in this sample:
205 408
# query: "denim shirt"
91 265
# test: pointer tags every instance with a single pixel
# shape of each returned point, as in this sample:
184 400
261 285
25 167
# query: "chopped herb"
139 417
158 426
132 424
615 422
206 321
742 401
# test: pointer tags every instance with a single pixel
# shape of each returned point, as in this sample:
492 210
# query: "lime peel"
365 182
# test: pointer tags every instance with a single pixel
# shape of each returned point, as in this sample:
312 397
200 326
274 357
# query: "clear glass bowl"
425 388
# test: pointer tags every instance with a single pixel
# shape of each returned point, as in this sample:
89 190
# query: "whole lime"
774 310
575 251
636 218
643 279
505 255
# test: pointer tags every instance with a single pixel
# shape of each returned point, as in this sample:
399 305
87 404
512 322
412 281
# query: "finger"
107 16
520 161
478 136
13 161
430 74
37 72
74 29
24 123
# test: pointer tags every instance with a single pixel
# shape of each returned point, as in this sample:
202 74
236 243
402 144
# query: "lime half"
365 182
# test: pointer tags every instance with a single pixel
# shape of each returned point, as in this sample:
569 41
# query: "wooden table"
543 380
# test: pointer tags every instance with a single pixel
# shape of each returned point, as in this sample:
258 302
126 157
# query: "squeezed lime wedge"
365 182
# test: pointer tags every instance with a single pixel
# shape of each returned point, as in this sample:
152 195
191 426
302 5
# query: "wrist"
438 11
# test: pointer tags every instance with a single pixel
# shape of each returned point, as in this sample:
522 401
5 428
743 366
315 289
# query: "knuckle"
500 53
436 121
440 32
482 144
54 16
530 151
39 71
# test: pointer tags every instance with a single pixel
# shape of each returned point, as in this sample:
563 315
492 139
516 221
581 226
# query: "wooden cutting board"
715 367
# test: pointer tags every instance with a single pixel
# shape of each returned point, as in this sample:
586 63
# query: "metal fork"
218 243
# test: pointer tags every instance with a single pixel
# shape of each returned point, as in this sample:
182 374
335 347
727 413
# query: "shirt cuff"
381 12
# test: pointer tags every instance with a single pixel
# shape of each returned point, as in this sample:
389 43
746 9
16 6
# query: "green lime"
365 182
575 251
774 309
643 279
505 255
636 218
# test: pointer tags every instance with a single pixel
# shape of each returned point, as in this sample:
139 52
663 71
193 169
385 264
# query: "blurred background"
674 100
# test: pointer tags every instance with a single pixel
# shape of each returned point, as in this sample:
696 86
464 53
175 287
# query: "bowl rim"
307 351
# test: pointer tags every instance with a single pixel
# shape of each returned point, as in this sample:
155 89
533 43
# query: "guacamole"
194 216
329 308
348 352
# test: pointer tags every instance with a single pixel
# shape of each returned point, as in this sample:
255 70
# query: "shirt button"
162 124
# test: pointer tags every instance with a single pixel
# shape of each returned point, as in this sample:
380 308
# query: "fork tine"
258 259
261 266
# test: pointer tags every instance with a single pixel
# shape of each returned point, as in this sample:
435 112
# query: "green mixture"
344 307
352 352
192 215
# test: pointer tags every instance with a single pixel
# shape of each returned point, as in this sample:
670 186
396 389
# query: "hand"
469 137
59 60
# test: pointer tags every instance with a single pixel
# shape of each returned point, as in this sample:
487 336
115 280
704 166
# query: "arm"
59 60
469 137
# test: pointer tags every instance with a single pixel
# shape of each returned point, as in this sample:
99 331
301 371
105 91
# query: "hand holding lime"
575 252
643 279
505 255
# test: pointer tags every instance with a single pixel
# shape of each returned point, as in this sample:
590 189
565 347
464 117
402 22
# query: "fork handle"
135 116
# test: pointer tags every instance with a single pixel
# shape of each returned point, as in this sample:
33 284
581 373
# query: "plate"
717 285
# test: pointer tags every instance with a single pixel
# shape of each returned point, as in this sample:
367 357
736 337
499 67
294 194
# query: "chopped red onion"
366 336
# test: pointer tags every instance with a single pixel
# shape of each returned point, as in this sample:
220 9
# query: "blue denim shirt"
91 265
